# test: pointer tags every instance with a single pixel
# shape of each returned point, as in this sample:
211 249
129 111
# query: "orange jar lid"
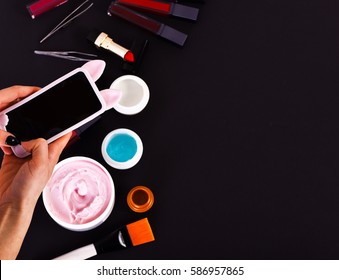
140 199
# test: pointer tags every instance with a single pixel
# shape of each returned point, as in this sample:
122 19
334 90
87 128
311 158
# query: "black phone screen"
55 110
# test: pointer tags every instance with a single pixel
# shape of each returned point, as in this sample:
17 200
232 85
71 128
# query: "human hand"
8 97
22 180
21 183
13 94
33 171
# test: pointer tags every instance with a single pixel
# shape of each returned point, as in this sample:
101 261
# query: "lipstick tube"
191 1
147 23
162 8
41 6
102 40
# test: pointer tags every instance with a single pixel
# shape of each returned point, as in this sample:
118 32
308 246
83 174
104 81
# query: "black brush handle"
113 241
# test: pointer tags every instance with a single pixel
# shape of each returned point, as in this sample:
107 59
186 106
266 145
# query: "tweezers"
67 20
70 55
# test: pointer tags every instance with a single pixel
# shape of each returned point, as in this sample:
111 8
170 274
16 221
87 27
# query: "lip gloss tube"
162 8
191 1
41 6
147 23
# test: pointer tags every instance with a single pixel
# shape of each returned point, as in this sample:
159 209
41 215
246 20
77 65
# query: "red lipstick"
162 8
147 23
129 56
41 6
101 40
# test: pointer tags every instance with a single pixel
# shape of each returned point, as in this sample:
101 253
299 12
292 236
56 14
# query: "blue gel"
122 147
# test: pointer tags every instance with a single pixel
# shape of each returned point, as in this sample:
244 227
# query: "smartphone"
60 107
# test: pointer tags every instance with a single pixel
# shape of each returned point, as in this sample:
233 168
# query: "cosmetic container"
122 148
134 94
140 199
80 194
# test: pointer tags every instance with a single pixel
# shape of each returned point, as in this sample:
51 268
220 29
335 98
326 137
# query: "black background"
240 135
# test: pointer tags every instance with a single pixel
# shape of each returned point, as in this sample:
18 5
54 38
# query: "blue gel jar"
122 148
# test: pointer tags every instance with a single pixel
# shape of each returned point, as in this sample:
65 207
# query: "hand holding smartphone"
62 106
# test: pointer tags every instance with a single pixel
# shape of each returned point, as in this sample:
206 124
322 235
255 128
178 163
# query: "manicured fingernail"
20 152
12 141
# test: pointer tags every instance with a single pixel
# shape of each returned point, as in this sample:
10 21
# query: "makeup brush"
133 234
102 40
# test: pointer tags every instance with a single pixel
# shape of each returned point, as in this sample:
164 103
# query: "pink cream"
78 191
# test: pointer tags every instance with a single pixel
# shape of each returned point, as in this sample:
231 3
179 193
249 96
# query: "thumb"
38 148
55 148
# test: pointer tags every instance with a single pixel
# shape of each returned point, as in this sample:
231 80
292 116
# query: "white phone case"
18 150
